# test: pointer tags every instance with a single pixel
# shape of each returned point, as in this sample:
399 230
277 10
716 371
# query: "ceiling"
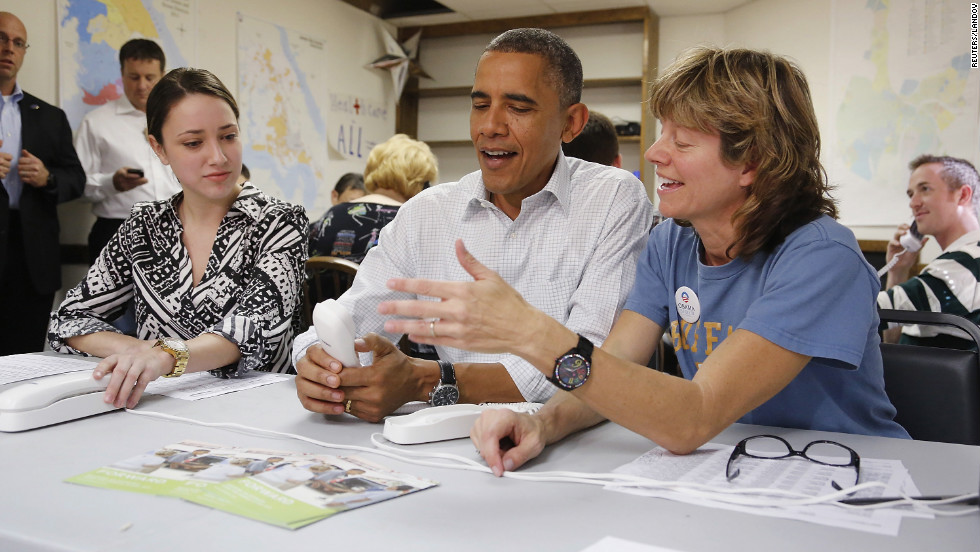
394 11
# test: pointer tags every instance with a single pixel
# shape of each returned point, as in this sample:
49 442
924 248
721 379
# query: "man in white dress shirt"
115 152
564 232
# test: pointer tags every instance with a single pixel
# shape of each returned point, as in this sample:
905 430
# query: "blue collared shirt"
11 136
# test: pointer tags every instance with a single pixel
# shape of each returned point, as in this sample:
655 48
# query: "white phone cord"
884 270
741 496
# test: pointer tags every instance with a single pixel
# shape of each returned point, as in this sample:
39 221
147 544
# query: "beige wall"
351 35
799 29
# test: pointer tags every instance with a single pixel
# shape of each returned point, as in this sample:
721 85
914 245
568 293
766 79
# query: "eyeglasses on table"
772 447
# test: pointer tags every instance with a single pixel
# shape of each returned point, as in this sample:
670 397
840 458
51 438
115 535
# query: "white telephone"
335 328
911 242
441 423
52 399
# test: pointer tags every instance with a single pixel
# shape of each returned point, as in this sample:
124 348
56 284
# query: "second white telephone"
52 399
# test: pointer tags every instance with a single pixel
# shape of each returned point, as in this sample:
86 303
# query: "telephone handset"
912 240
52 399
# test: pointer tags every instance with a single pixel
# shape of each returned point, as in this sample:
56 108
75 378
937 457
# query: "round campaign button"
688 305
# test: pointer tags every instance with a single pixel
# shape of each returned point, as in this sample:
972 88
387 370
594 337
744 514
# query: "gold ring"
347 408
432 328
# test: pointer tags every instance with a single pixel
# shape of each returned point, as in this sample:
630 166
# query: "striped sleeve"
949 284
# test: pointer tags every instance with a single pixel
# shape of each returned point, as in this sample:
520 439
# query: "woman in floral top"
396 170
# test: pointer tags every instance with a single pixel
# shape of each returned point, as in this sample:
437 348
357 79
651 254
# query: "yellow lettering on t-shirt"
710 339
675 335
686 332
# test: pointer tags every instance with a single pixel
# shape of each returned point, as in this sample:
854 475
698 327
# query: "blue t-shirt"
814 295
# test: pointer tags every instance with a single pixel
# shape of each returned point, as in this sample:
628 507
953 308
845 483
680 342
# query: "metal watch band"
180 353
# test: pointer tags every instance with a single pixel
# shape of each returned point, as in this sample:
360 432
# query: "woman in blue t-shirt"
768 300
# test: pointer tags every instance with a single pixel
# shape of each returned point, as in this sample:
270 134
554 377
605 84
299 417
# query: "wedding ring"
347 408
432 328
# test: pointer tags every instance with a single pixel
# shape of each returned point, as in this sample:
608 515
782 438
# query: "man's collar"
970 237
125 107
559 186
560 183
17 93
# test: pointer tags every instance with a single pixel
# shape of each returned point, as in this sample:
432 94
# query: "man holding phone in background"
944 194
115 152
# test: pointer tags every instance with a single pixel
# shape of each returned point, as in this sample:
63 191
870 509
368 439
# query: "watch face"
175 344
445 394
572 370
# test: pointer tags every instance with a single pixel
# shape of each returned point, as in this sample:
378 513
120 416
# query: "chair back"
326 278
935 390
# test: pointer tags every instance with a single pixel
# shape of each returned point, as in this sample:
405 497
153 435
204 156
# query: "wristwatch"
446 391
177 349
573 367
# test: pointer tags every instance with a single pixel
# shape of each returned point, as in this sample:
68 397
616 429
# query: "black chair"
326 278
936 391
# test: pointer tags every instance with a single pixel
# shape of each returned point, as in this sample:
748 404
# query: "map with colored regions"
903 89
282 92
90 33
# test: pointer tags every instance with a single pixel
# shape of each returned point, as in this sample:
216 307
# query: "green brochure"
282 488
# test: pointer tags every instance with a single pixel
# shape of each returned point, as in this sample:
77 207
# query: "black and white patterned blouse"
250 293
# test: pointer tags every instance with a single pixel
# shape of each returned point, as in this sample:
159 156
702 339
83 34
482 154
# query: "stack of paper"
706 466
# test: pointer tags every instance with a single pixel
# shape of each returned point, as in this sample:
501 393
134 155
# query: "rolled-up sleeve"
262 323
100 298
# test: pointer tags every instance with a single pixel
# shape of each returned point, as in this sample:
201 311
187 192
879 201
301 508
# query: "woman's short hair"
173 87
402 165
760 105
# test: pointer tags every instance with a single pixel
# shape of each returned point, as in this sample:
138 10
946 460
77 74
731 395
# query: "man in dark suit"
39 169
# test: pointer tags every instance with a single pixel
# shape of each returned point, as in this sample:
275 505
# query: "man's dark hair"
142 49
348 181
564 66
597 142
956 173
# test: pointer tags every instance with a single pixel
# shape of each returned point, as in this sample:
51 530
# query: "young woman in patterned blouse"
214 272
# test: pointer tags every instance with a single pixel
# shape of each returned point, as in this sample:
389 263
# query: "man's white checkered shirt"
571 253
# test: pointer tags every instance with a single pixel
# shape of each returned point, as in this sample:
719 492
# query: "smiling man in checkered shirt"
565 233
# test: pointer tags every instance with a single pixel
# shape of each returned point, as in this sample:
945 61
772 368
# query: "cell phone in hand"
135 172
